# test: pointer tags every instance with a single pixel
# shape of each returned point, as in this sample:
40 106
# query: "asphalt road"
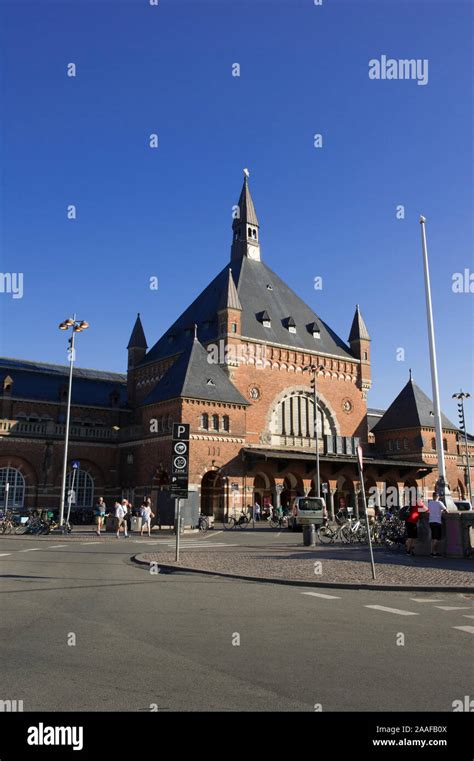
171 640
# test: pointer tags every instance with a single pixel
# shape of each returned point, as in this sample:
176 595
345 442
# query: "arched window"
83 488
445 445
294 417
16 492
205 421
433 443
397 444
215 422
405 444
390 445
225 422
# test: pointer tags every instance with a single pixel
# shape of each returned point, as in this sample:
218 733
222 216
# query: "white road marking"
419 599
56 546
215 534
31 549
4 554
392 610
465 615
63 545
453 607
469 629
319 594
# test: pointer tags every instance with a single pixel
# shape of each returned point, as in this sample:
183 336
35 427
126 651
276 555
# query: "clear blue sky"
326 212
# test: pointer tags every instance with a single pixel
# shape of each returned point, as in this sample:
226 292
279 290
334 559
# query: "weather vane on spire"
246 172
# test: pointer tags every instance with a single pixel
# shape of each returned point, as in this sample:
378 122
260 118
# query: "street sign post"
179 473
360 464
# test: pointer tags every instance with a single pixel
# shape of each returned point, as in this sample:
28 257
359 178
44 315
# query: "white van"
307 510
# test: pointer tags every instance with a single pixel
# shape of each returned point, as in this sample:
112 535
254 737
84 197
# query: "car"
462 505
306 510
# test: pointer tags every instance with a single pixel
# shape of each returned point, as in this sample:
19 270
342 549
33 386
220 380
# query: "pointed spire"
245 226
137 339
358 330
411 377
229 297
246 208
195 332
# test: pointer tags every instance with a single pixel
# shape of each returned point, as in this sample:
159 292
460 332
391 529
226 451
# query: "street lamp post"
77 326
461 395
314 369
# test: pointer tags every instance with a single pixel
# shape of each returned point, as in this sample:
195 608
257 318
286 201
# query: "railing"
49 428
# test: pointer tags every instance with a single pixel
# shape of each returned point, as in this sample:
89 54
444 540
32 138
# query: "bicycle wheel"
20 529
243 521
346 534
203 524
229 523
325 535
274 523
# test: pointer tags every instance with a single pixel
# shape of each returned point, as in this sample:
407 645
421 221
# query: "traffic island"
322 567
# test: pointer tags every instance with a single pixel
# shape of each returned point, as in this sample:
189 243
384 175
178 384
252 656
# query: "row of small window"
397 444
214 422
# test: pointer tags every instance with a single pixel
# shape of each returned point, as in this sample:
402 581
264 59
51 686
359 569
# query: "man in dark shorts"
436 509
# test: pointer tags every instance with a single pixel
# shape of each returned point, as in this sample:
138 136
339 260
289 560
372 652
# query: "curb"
294 583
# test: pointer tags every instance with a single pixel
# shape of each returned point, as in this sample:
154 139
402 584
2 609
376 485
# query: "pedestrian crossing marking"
468 629
320 594
31 549
4 554
392 610
419 599
453 607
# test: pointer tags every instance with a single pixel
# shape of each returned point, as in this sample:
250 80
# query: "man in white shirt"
120 511
436 509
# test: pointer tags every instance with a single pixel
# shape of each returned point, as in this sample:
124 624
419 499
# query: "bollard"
309 535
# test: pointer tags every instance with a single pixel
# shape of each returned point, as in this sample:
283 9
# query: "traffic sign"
75 464
180 460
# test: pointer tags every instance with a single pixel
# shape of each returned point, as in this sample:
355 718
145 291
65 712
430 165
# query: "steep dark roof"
229 297
44 382
194 377
411 409
137 339
252 278
358 329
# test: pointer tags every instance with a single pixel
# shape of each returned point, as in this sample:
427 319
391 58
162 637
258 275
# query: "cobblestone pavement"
322 565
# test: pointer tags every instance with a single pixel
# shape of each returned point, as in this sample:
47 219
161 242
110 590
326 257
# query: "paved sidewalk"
324 566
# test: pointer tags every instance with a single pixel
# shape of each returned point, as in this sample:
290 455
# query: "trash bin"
110 523
309 535
452 535
467 533
136 524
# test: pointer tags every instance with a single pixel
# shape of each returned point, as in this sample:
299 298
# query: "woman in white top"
146 515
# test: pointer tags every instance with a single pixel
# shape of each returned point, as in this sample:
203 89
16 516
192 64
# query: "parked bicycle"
233 522
203 523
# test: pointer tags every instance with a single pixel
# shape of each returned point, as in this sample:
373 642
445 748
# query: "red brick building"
234 366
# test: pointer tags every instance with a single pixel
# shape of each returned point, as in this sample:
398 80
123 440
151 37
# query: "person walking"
120 511
436 508
99 511
411 526
256 509
146 515
128 514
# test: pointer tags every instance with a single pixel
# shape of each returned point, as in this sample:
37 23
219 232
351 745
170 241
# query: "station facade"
239 366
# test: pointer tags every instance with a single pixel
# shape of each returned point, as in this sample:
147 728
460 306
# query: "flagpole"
442 487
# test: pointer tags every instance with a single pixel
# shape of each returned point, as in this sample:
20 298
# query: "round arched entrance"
213 495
